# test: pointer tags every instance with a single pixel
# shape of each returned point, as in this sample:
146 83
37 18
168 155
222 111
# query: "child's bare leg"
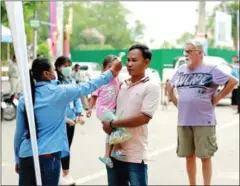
118 152
108 150
117 147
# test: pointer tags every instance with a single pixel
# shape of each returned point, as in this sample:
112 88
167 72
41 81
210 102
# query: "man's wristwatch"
111 124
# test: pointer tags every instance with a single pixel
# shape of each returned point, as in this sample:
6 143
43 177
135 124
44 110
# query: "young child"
105 99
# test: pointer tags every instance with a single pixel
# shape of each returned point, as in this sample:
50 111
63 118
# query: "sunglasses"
188 51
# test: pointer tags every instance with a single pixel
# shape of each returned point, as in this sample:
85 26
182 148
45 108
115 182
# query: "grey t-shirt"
195 89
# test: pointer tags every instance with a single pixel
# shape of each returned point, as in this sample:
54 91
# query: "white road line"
228 175
5 164
151 154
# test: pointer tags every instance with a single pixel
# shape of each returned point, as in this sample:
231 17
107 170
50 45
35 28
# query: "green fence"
160 59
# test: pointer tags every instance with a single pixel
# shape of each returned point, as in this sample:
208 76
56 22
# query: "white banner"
223 29
16 22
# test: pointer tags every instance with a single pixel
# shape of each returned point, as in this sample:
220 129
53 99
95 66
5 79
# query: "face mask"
66 71
55 81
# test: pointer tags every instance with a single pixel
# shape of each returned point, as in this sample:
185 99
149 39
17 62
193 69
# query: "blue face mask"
55 81
66 71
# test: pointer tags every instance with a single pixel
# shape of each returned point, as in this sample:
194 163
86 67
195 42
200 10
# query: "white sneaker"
67 180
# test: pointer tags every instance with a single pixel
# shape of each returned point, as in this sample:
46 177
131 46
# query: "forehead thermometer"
121 54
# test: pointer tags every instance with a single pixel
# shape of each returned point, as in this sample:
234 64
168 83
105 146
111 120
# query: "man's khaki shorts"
198 140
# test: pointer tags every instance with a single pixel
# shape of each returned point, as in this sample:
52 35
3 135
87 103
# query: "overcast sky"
165 20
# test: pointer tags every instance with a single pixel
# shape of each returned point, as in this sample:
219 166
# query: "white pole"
16 22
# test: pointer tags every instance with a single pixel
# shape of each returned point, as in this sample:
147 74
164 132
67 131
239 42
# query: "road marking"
150 154
228 175
5 164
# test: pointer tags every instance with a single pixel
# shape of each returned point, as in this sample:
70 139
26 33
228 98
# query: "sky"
165 20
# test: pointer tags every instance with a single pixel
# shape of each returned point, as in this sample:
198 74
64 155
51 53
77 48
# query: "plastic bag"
119 135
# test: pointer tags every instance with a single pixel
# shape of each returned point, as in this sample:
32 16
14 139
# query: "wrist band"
111 124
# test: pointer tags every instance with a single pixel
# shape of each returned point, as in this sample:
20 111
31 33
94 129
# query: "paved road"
164 166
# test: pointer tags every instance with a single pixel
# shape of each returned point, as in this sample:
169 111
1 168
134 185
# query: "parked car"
152 73
92 68
220 62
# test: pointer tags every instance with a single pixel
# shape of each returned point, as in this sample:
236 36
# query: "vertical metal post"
238 49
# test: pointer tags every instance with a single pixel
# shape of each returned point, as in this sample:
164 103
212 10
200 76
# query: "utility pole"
238 49
201 17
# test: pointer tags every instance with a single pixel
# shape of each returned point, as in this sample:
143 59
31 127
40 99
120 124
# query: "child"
106 98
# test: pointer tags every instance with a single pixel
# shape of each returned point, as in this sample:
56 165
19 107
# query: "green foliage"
108 18
94 46
167 44
43 50
185 37
138 31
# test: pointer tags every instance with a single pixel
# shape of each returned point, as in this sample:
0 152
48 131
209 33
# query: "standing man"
81 77
196 83
205 45
138 98
13 75
236 91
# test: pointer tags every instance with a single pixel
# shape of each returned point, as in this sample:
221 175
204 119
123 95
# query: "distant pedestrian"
13 75
205 45
236 91
81 77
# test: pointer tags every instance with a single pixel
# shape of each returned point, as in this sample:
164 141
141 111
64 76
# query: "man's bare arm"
171 94
135 121
225 91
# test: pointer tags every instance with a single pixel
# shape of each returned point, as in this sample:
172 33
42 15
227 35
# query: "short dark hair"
235 56
107 60
60 61
146 52
40 65
77 65
14 58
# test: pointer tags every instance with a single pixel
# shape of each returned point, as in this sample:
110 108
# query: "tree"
231 8
110 19
185 37
138 31
43 50
167 44
28 12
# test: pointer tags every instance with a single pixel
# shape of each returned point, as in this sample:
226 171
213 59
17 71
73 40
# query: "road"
165 168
